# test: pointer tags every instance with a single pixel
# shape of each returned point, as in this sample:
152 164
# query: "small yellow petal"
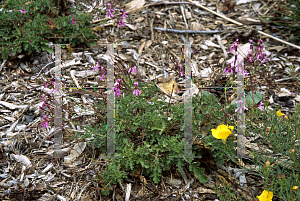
279 114
295 188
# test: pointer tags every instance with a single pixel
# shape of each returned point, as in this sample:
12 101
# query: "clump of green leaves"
143 137
31 25
146 138
112 175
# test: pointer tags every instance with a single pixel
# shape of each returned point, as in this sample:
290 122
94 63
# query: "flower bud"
286 117
267 163
293 151
283 176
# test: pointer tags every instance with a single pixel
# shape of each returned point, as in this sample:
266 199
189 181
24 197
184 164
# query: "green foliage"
199 172
220 151
98 135
204 107
256 96
144 137
112 175
289 19
41 24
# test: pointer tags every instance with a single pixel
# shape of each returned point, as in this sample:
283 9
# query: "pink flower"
96 67
50 82
44 103
181 73
241 107
45 122
23 11
118 93
230 68
124 14
264 58
117 88
109 15
234 46
257 58
133 70
136 91
260 106
101 76
121 23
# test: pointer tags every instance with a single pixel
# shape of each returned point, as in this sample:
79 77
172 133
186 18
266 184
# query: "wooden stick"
238 23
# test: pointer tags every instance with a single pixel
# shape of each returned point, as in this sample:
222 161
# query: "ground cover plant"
28 26
147 140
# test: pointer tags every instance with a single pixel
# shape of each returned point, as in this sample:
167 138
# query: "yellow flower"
279 114
222 132
265 196
295 188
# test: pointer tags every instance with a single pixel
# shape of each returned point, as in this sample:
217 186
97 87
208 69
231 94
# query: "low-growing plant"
38 23
144 137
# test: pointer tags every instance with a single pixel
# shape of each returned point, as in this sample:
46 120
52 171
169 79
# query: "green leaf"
199 172
256 96
208 144
92 43
156 127
46 47
161 128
